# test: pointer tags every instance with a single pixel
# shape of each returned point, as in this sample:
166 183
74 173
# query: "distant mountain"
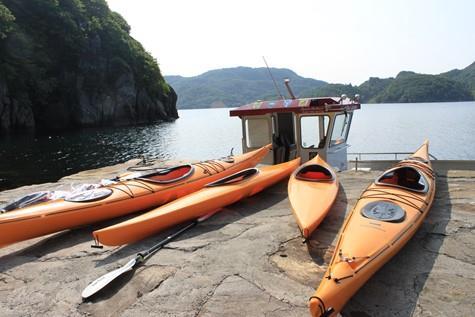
455 85
423 88
237 86
231 87
466 75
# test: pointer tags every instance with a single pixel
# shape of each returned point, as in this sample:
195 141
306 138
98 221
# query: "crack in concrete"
187 249
84 254
282 300
210 295
237 235
4 280
271 313
438 253
280 247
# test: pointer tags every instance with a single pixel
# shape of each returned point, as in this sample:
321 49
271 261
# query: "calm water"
210 133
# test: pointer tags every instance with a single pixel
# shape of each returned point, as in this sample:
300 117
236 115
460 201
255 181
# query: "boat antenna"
287 84
273 80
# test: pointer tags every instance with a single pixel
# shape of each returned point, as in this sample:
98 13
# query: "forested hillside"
236 86
232 87
72 63
466 76
456 85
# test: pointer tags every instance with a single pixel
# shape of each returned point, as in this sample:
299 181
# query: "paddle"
141 257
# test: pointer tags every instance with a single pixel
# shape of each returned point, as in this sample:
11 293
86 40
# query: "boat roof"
304 105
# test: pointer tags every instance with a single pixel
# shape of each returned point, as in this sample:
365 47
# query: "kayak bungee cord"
402 198
429 171
207 165
399 198
128 191
139 259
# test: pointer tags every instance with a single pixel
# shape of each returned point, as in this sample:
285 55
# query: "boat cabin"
299 127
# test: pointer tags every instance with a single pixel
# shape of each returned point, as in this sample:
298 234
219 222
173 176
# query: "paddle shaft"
104 280
145 255
142 256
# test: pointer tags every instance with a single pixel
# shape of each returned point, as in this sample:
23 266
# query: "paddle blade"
105 279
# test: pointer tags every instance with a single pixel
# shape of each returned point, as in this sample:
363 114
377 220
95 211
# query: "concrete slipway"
248 260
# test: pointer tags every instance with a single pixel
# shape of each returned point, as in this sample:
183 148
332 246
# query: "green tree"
6 21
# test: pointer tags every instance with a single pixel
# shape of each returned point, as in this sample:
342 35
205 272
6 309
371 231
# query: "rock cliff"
72 63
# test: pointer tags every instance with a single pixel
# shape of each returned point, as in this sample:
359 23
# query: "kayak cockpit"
235 178
405 177
169 175
314 173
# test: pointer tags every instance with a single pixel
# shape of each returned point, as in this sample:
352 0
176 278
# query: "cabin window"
257 132
340 128
313 130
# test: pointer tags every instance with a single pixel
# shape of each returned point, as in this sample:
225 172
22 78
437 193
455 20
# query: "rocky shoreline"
78 67
247 260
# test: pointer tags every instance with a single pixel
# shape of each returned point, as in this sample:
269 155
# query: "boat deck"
248 260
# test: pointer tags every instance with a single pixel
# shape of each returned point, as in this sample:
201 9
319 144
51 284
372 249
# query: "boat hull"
383 220
127 196
195 205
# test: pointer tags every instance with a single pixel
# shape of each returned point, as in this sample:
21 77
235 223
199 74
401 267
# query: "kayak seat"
314 173
235 178
389 178
404 177
169 175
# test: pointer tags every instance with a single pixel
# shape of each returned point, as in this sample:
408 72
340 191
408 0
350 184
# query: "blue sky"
340 41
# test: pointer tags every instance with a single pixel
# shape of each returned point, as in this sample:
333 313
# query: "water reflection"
209 133
198 135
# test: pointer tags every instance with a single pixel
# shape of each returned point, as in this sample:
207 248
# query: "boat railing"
360 155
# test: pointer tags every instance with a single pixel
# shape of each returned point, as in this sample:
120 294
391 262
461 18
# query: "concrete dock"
247 260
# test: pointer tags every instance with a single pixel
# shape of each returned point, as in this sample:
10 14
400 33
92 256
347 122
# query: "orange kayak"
312 190
383 220
213 197
134 192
